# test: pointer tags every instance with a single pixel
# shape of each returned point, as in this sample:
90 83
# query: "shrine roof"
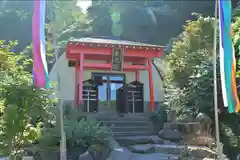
112 42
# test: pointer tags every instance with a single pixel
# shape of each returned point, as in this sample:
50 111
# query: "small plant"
159 117
80 133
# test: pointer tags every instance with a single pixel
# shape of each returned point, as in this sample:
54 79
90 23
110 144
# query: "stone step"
123 119
131 128
126 123
193 151
133 133
124 116
133 140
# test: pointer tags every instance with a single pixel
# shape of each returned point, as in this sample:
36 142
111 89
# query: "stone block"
147 148
28 158
132 140
168 149
172 116
171 135
191 127
120 154
85 156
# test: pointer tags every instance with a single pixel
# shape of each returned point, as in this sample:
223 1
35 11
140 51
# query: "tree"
16 21
22 107
190 50
190 78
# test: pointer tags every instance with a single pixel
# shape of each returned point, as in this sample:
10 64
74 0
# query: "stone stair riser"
123 134
129 125
131 128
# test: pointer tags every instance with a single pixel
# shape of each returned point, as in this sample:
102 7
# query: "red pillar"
137 75
81 78
76 84
151 84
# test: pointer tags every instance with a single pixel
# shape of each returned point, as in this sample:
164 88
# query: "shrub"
22 107
190 78
159 117
81 132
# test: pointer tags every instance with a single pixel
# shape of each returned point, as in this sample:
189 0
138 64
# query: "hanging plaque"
117 59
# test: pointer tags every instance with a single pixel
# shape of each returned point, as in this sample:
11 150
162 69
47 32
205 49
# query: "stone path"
154 151
154 156
123 153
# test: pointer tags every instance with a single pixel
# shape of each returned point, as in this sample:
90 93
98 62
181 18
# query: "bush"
159 117
81 133
22 107
189 79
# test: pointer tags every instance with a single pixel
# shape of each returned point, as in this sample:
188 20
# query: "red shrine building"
98 74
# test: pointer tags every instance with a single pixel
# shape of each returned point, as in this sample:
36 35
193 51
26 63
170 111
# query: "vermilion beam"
72 51
139 60
108 69
103 66
89 51
151 84
136 60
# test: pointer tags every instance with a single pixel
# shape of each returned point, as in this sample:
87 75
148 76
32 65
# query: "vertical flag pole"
63 154
214 61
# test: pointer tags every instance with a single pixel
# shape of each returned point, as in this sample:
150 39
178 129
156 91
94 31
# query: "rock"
73 153
172 116
189 127
50 154
85 156
168 149
192 151
113 144
238 157
101 152
133 140
201 152
171 126
120 154
167 142
157 140
171 135
146 148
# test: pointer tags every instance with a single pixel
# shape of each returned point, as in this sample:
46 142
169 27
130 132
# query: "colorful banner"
227 58
40 70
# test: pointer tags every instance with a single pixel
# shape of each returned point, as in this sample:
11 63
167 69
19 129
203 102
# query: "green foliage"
159 117
136 20
230 136
189 78
16 20
236 30
22 107
80 132
189 52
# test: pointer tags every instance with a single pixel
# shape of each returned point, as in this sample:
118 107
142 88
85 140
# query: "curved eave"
95 43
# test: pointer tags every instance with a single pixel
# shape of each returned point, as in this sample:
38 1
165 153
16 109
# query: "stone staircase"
136 138
137 124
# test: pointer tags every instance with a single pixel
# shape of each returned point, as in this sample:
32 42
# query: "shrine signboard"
117 59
